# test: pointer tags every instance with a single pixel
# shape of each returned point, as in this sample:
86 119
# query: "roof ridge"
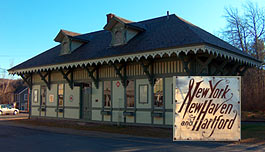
154 18
70 32
139 22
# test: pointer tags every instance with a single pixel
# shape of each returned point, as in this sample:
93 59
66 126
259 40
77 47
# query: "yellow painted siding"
134 70
81 74
167 67
36 78
108 71
56 76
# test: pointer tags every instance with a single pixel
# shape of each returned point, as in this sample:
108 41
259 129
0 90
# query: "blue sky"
28 27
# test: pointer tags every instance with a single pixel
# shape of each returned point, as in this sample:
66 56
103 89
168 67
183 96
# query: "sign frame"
177 132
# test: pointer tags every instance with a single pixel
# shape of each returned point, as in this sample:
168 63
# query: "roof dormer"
122 30
70 41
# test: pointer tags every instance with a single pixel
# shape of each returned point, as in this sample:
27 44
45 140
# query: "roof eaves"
245 55
169 51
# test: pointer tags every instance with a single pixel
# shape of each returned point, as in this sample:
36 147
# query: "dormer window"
122 30
65 47
70 41
118 37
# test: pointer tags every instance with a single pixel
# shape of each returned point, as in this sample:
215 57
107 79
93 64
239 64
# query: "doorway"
43 101
86 102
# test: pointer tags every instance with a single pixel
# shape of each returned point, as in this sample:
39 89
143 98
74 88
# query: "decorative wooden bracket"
65 76
27 79
91 75
118 72
234 70
219 68
242 70
148 73
43 78
185 60
204 64
242 73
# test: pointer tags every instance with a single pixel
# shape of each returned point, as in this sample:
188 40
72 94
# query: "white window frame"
25 97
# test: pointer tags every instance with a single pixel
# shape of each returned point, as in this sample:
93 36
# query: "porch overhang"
211 50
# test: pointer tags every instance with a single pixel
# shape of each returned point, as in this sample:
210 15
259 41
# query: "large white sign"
207 108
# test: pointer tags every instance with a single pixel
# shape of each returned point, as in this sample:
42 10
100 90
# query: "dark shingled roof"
159 33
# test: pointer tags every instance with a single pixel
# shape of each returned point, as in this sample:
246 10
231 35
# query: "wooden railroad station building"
124 73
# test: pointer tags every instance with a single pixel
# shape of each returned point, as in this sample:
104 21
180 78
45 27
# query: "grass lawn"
253 132
250 132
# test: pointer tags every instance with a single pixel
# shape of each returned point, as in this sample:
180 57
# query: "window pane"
118 37
130 93
143 93
25 97
107 93
51 98
35 96
60 94
158 92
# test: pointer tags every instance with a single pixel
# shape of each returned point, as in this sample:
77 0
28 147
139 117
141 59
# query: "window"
143 93
107 93
25 97
51 98
130 93
9 106
35 96
118 37
64 47
60 94
158 92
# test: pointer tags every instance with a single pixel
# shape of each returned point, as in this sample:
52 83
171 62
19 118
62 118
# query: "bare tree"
7 86
246 31
236 29
256 23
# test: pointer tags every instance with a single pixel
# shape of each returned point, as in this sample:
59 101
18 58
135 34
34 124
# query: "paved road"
29 138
